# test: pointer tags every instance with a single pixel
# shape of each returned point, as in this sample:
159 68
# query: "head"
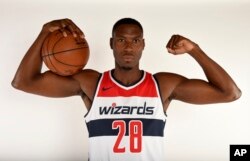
127 43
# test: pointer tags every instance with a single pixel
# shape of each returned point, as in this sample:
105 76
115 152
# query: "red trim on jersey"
144 88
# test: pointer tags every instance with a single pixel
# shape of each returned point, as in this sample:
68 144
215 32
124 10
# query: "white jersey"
126 123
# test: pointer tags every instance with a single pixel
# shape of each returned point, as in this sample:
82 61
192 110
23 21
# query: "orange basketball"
64 55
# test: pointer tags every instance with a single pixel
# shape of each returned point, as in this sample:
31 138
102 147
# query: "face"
127 44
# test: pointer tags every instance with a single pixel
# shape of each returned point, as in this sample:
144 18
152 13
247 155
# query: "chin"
126 65
127 68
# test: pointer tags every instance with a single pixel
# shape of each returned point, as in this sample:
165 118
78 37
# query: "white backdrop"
49 129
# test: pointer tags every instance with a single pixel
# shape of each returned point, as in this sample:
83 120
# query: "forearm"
31 64
215 74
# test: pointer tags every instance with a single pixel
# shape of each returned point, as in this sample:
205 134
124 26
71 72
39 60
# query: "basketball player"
126 105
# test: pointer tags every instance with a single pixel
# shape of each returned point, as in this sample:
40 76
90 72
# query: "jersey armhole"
96 89
159 92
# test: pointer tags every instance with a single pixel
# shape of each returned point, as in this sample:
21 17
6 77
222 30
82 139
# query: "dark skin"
127 44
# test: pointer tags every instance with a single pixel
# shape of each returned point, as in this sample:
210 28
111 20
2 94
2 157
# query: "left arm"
219 86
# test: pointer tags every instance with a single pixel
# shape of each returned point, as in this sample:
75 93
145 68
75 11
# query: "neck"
127 77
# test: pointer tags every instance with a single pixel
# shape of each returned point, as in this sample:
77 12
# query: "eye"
120 40
136 41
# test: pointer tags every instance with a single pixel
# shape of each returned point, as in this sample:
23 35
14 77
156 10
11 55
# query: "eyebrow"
139 36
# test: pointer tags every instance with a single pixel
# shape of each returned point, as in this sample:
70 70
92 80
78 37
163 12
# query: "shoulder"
168 82
88 80
167 77
87 74
87 77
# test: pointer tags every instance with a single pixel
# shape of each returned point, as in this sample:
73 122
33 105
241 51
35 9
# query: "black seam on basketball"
44 50
55 69
51 54
64 51
66 63
56 43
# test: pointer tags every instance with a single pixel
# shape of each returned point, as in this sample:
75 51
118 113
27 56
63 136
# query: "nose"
128 46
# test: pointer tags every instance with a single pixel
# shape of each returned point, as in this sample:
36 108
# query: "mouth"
128 57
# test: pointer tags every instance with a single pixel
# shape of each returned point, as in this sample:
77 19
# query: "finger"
62 26
80 33
77 33
52 29
172 51
172 42
176 42
82 36
65 26
63 31
74 28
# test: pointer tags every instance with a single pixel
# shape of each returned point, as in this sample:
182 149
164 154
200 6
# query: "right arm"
29 78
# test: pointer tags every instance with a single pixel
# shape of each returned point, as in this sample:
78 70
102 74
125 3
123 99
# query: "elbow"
233 94
237 94
18 84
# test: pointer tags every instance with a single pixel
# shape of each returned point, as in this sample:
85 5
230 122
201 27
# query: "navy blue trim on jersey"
103 127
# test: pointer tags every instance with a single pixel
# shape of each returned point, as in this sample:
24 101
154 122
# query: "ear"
111 42
143 43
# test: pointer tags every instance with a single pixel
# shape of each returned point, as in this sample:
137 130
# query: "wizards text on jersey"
127 110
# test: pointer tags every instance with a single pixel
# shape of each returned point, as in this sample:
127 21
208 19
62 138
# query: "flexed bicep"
198 91
219 86
52 85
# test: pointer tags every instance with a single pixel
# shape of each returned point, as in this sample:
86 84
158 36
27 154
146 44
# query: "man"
126 106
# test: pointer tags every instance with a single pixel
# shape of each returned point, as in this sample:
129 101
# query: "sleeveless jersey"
126 123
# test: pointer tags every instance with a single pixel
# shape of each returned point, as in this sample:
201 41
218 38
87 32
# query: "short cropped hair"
125 21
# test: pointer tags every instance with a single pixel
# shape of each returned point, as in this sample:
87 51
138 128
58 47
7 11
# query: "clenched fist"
180 45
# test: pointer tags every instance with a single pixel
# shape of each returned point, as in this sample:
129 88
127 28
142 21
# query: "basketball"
64 56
